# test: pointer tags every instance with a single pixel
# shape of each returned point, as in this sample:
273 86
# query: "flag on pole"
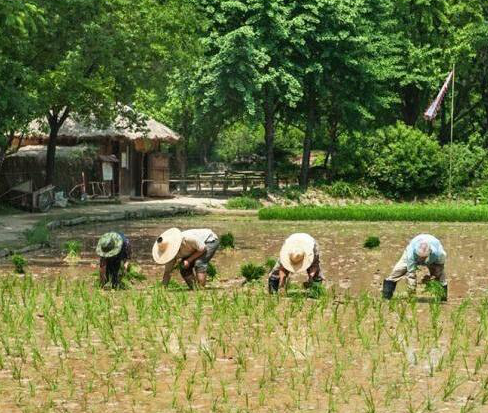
432 110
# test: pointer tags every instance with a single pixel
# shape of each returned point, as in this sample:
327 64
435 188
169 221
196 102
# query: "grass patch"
243 202
38 234
6 209
372 242
401 212
72 248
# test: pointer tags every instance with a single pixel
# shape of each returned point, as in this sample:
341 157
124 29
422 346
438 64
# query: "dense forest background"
329 91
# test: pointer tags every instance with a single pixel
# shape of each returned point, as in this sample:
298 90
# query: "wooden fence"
224 182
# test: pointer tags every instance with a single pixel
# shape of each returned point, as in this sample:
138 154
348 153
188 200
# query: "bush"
342 189
243 202
72 248
227 241
252 272
372 242
401 212
19 263
39 234
405 162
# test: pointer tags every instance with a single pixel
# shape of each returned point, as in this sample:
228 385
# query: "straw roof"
122 129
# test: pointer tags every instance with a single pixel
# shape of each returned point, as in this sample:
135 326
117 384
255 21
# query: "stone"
29 248
4 252
53 225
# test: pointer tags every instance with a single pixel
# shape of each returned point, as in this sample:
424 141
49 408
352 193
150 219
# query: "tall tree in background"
248 67
344 57
89 59
423 32
19 21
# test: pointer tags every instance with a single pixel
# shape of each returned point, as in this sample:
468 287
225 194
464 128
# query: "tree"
248 68
18 22
90 58
344 58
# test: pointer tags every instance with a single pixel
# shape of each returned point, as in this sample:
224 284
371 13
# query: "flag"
432 110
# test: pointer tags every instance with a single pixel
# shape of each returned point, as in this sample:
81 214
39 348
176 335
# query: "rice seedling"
372 242
227 241
19 262
397 212
252 272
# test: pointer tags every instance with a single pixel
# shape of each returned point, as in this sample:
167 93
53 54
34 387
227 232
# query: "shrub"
372 242
72 248
19 263
405 162
342 189
258 193
227 241
243 202
293 193
252 272
39 234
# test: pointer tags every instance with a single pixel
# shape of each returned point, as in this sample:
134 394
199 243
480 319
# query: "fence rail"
224 182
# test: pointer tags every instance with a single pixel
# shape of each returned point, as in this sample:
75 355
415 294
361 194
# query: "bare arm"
167 272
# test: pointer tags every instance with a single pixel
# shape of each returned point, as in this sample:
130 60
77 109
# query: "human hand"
186 264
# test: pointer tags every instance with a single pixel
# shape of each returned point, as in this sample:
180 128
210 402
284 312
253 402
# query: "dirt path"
12 227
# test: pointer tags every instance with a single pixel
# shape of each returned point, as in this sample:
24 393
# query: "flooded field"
66 346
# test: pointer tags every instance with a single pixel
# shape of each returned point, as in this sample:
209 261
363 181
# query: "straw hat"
296 254
423 249
167 246
109 245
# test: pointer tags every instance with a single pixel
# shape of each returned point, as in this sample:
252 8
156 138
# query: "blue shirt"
437 254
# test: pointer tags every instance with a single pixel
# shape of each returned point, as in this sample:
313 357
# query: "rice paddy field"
68 346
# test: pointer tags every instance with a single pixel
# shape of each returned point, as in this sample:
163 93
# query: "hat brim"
118 242
297 241
174 239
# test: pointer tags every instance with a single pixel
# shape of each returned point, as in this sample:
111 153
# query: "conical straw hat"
167 246
296 254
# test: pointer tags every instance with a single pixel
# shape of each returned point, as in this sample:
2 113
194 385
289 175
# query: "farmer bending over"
299 253
194 248
114 250
423 250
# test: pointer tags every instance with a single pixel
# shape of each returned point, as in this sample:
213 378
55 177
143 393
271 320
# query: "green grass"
243 202
6 209
399 212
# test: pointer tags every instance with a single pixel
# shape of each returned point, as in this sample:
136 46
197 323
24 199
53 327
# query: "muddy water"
346 263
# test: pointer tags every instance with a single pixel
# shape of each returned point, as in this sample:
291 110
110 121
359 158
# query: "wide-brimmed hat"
296 254
109 245
167 246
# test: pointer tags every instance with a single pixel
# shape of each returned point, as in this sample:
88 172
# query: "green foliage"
372 242
227 241
19 263
38 234
405 212
405 162
342 189
252 272
72 248
243 202
316 290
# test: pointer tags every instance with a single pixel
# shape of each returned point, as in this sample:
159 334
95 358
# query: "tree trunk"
331 149
55 123
181 158
4 149
269 134
307 146
411 104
